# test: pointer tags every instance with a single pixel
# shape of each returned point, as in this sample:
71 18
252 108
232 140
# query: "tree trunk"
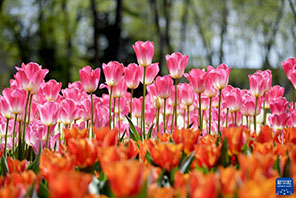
224 23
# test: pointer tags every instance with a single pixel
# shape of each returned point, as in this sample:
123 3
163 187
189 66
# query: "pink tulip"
113 72
292 119
210 90
30 76
90 78
234 100
120 89
187 94
4 108
257 84
85 109
137 105
49 113
197 79
163 86
278 121
279 105
267 78
77 84
132 75
248 107
144 52
68 111
289 67
51 90
16 99
151 72
176 64
275 92
220 76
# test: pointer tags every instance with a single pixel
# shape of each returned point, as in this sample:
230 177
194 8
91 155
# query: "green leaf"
287 167
144 191
32 191
34 166
4 165
133 130
172 176
277 165
160 177
121 138
224 158
150 131
149 158
185 166
190 125
43 190
204 170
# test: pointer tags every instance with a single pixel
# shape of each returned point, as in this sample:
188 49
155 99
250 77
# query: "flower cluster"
201 138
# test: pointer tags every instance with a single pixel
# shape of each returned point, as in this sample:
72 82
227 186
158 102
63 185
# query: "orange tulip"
265 135
25 179
83 151
74 133
203 185
236 138
52 163
165 137
258 188
126 177
68 184
291 135
155 192
187 137
228 179
166 155
206 155
12 191
16 166
106 137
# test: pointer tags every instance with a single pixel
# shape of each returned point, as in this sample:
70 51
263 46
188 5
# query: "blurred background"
65 35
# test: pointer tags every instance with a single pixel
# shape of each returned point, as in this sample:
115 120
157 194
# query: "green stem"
131 105
143 106
92 115
227 111
164 114
184 117
47 137
118 113
175 107
199 112
255 115
188 116
30 104
6 131
110 106
172 125
219 111
20 153
25 118
248 123
114 103
59 129
210 116
294 90
14 132
235 119
264 110
157 119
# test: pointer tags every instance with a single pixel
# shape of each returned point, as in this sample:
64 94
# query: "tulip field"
202 138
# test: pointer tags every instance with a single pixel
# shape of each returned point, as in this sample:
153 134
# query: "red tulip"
176 64
163 86
197 79
49 113
90 78
112 71
144 52
30 76
132 75
51 90
257 84
151 72
16 100
278 105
